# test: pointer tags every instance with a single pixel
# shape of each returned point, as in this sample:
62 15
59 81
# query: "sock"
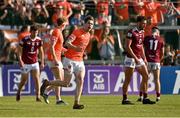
145 95
140 94
124 97
158 94
46 92
58 100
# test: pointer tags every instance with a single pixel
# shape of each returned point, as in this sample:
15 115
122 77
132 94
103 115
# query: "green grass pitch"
95 106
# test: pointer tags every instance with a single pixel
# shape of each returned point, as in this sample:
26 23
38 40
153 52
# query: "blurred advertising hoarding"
98 80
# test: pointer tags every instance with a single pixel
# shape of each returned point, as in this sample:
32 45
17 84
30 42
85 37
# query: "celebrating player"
73 61
54 58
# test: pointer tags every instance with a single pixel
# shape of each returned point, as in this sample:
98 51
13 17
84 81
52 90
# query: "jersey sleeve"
54 36
74 35
21 42
129 35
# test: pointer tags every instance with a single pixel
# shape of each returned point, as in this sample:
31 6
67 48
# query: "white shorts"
28 67
73 66
51 64
153 66
130 62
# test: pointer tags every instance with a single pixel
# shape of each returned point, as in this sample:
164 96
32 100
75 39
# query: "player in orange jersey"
54 58
73 61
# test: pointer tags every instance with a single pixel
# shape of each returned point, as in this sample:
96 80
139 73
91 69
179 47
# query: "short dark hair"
23 28
61 20
141 18
154 29
87 18
33 28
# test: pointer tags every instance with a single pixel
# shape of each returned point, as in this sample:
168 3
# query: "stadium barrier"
98 80
1 86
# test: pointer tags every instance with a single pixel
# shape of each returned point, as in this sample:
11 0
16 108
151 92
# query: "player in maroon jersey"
135 58
154 51
29 47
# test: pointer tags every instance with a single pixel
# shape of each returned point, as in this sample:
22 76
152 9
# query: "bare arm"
143 55
45 10
162 17
52 50
175 9
162 54
19 54
64 49
95 2
41 52
4 15
70 12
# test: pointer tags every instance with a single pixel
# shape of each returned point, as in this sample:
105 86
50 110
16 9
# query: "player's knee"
145 79
145 76
80 80
23 80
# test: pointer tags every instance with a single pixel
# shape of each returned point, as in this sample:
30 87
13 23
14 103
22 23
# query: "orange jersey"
46 44
81 39
148 29
140 10
122 9
151 10
66 7
163 10
58 38
54 18
23 34
103 7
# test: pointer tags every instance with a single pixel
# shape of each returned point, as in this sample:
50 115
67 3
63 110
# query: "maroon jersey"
30 49
153 46
137 38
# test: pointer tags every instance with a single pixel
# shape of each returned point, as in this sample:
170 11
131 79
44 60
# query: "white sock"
58 100
47 92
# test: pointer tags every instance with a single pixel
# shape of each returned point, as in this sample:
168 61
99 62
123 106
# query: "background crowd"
107 38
